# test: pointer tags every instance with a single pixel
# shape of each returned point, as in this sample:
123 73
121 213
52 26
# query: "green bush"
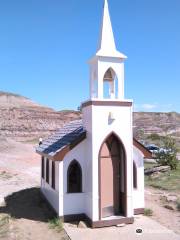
148 212
154 137
168 157
56 223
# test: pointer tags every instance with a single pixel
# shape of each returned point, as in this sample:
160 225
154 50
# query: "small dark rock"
169 207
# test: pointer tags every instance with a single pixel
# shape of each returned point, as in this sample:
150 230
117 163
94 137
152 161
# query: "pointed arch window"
47 170
134 175
42 167
53 175
74 178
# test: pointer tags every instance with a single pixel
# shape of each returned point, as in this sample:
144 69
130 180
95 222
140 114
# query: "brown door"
111 167
107 193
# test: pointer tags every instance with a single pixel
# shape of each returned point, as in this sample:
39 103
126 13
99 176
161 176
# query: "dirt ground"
25 215
155 201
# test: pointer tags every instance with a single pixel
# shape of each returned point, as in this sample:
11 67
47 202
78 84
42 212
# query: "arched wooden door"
112 178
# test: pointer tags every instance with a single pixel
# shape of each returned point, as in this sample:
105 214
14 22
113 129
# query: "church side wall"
138 193
75 203
52 195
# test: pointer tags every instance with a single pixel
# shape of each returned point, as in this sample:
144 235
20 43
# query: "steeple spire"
107 66
107 45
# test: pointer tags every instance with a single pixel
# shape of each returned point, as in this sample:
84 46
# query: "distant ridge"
9 100
21 118
2 93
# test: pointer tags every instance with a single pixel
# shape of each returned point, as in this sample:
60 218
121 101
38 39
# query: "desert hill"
10 100
23 119
156 122
147 124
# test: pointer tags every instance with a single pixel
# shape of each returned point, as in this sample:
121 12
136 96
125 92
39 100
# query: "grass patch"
56 223
166 181
4 219
4 225
5 175
149 165
148 212
34 141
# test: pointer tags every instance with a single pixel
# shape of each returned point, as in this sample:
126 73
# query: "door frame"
125 173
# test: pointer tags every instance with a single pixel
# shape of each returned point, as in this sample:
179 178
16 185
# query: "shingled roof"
68 136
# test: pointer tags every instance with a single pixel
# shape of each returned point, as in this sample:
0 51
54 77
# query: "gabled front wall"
122 127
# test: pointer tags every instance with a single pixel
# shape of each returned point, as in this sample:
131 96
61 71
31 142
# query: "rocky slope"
160 123
22 119
146 124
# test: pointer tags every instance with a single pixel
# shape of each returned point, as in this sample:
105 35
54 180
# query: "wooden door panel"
112 178
107 198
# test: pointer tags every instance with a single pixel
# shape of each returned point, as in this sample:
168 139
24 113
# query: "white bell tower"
107 115
107 66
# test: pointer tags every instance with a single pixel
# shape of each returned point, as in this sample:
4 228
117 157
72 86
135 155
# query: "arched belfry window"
110 84
74 178
134 175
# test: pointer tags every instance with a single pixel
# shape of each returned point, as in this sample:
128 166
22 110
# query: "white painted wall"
52 195
122 126
88 148
138 193
75 203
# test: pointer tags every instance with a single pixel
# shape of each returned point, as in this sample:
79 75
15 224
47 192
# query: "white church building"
92 169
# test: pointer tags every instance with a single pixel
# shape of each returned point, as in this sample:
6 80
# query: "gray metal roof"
68 135
63 137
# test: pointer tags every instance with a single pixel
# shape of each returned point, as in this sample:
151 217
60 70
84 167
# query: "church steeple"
107 66
107 46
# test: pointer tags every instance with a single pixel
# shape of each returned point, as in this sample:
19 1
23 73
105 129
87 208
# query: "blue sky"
40 39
